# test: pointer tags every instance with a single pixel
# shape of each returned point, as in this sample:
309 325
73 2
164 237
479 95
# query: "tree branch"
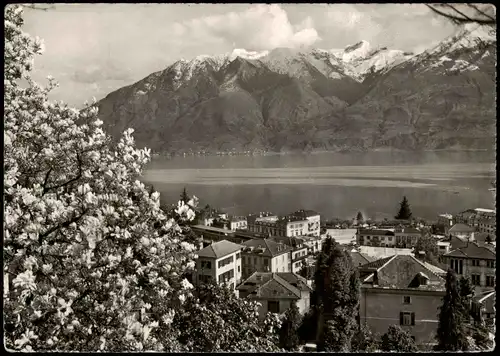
463 18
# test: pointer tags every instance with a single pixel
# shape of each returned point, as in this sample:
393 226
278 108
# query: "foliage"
359 217
451 333
214 319
481 337
404 212
86 246
397 339
308 327
364 340
289 337
337 291
428 245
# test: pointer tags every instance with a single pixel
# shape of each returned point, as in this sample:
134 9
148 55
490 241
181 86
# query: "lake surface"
334 184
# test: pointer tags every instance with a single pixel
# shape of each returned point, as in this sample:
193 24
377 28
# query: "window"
266 261
225 261
475 263
273 306
490 281
406 299
206 265
476 279
255 260
389 238
490 264
238 269
407 318
238 256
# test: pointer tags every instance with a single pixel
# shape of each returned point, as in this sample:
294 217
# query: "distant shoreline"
313 152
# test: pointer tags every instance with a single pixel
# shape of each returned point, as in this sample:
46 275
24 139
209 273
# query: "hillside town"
271 259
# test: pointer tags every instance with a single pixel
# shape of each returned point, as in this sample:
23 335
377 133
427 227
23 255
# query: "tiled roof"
400 271
274 285
376 232
359 259
377 263
219 249
271 248
291 241
461 228
473 250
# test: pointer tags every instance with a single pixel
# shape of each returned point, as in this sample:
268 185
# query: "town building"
265 255
276 291
375 237
462 231
483 305
313 244
313 218
382 252
237 223
219 262
405 291
407 237
475 261
298 253
444 222
288 226
210 234
488 225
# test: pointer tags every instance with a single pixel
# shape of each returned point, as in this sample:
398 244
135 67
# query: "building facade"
376 237
219 262
313 218
404 291
475 262
407 237
276 292
265 255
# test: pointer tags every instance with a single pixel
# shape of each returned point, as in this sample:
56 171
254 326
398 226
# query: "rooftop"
219 249
403 272
407 230
473 250
461 228
359 259
481 210
270 247
274 285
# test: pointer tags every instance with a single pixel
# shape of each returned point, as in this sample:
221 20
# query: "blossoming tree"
86 247
93 262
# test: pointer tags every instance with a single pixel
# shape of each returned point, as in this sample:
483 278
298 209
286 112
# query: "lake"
334 184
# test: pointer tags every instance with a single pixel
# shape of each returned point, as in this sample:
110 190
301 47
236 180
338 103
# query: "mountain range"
352 99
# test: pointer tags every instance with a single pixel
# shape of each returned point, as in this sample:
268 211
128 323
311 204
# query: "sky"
94 49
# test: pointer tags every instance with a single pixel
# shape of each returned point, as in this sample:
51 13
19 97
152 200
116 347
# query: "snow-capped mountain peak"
356 51
243 53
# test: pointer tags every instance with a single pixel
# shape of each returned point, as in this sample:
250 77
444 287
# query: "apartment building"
219 262
313 218
313 244
405 291
407 237
488 225
298 253
475 261
375 237
276 291
289 226
462 231
265 255
237 223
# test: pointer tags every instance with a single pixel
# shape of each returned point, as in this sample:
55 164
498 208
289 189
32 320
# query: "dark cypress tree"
340 301
397 340
359 217
289 332
451 333
404 210
184 196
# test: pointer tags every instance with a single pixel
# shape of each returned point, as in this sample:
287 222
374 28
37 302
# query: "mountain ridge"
282 100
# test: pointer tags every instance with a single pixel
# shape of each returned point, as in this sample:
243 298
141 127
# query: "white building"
219 262
313 219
